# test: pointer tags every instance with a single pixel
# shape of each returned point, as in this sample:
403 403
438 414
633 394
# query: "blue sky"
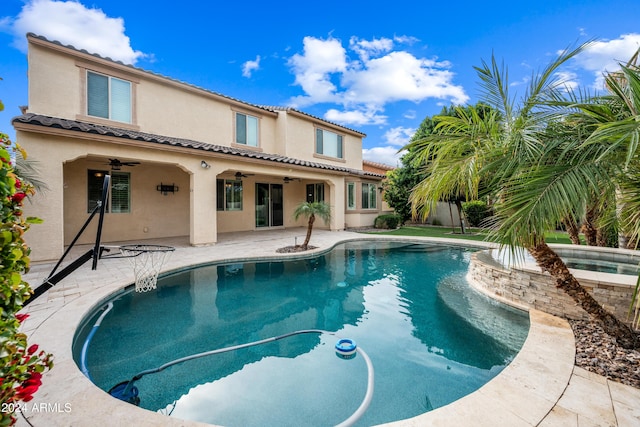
379 67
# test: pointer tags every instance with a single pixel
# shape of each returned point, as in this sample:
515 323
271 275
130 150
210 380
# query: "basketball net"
147 260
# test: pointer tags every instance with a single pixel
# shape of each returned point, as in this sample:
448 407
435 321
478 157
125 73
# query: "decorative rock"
598 352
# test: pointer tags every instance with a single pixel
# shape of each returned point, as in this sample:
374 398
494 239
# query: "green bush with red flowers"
21 364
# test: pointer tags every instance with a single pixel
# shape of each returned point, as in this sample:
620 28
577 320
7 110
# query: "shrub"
390 221
21 364
476 211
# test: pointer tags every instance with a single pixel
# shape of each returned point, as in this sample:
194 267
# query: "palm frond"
538 198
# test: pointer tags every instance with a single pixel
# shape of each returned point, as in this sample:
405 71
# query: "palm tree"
536 178
311 210
617 135
453 156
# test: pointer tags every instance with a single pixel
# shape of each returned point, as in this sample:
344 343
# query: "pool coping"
524 393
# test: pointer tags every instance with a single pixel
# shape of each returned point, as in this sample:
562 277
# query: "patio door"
269 206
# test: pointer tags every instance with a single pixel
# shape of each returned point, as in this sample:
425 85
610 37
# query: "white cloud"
250 66
386 155
394 140
314 67
406 39
607 55
399 136
355 117
367 48
400 76
70 22
410 114
380 75
524 81
568 79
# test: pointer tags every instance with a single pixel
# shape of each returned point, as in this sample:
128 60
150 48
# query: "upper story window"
329 144
120 191
369 196
246 130
108 97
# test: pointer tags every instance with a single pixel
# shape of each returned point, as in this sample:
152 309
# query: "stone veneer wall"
526 287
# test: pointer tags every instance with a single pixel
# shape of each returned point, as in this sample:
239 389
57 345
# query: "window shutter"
365 196
95 180
373 196
319 193
120 192
241 128
310 193
252 131
233 190
220 194
319 145
351 195
97 95
120 100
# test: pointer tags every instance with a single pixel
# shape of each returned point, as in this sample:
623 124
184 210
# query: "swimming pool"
431 339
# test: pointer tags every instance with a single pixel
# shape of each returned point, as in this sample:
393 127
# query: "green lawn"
472 234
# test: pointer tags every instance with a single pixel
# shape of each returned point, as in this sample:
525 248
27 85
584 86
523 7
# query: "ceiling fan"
116 164
287 180
239 175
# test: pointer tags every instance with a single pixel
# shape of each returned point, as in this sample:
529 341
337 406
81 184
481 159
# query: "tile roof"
378 165
151 73
290 109
90 128
142 70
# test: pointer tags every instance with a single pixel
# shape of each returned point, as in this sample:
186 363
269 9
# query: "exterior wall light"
205 165
167 188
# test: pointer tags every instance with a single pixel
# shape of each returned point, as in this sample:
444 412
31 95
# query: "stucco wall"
54 83
63 163
167 107
163 106
152 214
300 134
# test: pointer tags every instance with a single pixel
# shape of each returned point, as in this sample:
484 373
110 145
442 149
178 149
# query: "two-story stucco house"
184 161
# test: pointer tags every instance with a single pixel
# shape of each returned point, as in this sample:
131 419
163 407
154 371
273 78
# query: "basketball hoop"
147 260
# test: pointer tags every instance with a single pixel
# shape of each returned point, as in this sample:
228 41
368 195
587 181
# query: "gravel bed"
598 352
294 249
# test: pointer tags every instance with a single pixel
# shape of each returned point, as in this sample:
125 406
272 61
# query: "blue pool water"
602 266
431 338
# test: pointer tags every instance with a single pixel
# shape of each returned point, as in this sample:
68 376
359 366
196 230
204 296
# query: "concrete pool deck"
541 387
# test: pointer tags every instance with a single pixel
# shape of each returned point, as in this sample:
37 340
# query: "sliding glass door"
269 206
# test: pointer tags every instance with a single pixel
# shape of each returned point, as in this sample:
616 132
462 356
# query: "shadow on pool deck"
541 387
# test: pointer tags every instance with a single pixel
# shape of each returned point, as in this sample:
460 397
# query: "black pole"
53 279
103 205
75 239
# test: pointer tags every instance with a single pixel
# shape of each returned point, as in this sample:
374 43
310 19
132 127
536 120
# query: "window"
328 143
369 196
120 191
246 130
315 192
228 195
351 195
108 97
